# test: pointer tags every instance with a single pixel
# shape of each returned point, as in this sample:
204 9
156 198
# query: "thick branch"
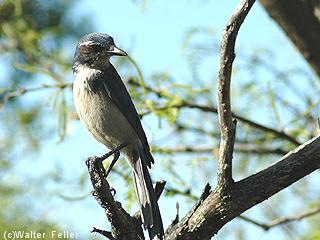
123 225
299 21
216 210
227 124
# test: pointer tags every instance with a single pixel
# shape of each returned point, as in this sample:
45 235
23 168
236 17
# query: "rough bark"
300 19
214 211
123 225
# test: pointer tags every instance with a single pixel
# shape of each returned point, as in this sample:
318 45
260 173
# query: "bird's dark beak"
117 51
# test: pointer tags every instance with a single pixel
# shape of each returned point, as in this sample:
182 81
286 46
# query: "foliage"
34 49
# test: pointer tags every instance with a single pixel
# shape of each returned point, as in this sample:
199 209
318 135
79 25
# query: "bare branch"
216 210
280 134
301 24
185 193
227 124
123 225
21 91
242 148
283 220
206 108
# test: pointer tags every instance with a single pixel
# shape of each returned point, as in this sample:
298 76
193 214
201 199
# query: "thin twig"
185 193
241 148
282 220
184 104
21 91
206 108
103 233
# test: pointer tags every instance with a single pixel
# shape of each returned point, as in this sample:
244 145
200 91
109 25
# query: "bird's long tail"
149 208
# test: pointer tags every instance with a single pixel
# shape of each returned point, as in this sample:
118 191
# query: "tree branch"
7 96
241 148
282 220
301 24
206 108
227 124
123 225
216 210
184 104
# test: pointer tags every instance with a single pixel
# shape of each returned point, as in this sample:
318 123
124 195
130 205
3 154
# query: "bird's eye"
96 47
89 46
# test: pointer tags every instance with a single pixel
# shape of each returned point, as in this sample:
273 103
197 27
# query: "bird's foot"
115 152
113 162
97 161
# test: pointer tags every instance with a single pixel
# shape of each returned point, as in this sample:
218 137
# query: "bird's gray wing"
151 216
119 95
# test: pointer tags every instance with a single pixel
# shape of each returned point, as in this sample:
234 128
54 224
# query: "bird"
106 110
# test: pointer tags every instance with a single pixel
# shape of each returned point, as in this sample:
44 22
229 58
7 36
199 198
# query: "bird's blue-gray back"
119 94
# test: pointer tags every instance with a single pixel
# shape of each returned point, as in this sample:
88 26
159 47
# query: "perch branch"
123 225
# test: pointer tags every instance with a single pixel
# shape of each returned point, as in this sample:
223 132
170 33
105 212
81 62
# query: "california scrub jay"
105 108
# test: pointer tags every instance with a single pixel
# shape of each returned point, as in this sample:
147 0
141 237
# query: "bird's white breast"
98 113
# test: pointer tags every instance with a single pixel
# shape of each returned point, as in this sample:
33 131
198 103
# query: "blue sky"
153 37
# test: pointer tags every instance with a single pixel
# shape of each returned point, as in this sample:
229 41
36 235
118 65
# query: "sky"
153 37
161 27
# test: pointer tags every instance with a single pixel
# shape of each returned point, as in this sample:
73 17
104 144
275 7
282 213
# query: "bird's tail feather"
149 208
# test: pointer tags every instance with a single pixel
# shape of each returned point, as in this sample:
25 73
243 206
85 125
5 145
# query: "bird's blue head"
94 50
